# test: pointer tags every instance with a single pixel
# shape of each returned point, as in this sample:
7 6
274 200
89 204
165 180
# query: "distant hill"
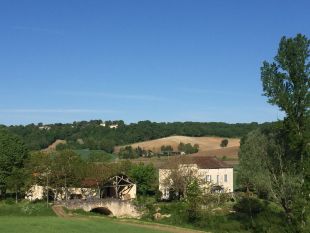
99 135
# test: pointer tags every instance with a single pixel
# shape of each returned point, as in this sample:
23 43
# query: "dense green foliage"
128 152
145 178
166 149
188 148
246 215
24 208
274 161
224 143
92 135
56 170
13 154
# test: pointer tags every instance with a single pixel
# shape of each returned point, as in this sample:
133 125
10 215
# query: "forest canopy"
97 136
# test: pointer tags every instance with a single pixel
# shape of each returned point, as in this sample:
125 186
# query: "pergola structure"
119 186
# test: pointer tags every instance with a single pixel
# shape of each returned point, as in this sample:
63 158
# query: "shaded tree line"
61 170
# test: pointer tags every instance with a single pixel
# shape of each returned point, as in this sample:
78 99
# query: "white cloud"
213 92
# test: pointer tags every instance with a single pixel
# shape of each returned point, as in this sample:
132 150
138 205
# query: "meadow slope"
206 144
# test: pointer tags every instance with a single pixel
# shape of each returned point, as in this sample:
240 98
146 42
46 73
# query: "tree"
252 157
166 149
56 171
224 143
193 199
179 175
65 170
188 148
144 176
286 83
13 154
127 152
16 181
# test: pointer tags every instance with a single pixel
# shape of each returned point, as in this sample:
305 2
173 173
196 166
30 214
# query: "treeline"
60 170
95 135
128 152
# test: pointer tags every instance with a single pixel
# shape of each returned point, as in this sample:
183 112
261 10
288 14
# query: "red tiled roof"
210 163
88 183
203 162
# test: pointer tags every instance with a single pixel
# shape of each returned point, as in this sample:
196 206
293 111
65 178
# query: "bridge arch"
102 210
109 206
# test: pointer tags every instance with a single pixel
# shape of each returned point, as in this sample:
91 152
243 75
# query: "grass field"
36 217
86 153
50 224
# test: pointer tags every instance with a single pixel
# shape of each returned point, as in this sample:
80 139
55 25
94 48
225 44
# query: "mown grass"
103 156
26 217
13 224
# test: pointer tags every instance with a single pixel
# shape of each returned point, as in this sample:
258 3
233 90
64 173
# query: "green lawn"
100 155
50 224
29 217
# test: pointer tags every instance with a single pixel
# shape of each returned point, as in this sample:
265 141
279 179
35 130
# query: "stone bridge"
107 206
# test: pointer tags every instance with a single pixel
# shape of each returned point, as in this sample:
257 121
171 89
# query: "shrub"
249 205
224 143
25 208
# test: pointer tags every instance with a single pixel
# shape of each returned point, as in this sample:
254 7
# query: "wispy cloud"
141 97
40 30
55 110
212 92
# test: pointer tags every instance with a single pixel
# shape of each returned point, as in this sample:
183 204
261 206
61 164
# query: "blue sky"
163 60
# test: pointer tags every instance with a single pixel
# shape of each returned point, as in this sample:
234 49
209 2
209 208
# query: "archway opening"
102 210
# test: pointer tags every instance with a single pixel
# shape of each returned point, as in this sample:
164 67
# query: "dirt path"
59 211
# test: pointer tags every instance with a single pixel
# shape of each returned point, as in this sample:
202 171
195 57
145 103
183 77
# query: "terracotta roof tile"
203 162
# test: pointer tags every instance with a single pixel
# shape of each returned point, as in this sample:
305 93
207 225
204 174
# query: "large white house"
216 174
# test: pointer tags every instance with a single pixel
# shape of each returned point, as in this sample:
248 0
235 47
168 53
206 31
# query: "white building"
214 173
111 126
120 186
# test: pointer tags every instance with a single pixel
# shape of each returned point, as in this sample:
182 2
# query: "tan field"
206 144
231 154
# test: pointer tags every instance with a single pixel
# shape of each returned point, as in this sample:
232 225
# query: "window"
217 179
225 177
208 178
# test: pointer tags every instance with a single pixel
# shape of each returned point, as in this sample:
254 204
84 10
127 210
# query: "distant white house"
112 126
217 174
44 127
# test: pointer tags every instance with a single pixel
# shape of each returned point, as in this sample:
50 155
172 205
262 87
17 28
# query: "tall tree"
286 83
12 157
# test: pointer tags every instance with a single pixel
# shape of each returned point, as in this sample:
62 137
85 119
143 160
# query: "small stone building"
119 187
